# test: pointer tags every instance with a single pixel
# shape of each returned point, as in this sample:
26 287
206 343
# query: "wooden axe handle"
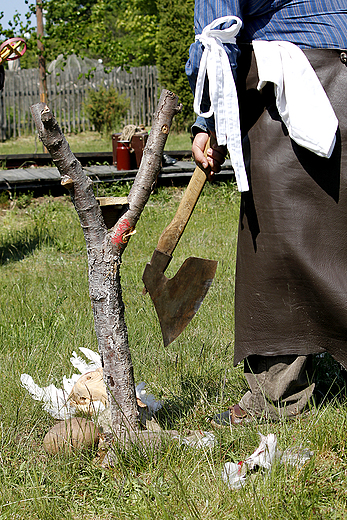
171 235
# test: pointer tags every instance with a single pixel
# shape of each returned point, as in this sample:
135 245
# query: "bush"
106 108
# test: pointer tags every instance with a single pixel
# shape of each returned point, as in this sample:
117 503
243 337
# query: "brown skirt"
291 274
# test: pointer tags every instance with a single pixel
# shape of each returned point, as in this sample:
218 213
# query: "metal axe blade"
177 299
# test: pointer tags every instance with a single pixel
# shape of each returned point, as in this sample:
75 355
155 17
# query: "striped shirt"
307 23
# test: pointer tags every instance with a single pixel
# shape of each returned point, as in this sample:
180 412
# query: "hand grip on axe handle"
173 232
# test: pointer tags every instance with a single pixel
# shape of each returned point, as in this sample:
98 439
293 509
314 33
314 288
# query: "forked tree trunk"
105 248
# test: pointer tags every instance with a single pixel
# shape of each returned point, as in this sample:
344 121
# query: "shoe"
167 160
234 415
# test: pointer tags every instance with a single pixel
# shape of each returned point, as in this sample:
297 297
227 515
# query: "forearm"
203 124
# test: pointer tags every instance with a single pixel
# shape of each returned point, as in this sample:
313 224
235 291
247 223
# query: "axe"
178 299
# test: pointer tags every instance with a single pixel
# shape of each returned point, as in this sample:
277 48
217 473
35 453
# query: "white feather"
68 382
234 475
79 363
92 356
55 401
82 365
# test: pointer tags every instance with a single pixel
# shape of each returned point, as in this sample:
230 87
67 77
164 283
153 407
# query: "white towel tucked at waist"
300 98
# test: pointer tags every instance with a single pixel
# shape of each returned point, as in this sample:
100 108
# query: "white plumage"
56 400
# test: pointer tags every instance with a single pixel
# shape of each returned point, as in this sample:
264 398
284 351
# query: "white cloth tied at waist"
222 89
301 100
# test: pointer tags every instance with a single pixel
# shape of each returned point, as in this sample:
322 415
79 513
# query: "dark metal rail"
46 178
10 161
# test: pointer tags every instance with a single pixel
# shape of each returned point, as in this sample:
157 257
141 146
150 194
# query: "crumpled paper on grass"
235 474
56 400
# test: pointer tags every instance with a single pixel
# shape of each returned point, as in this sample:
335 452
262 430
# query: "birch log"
105 248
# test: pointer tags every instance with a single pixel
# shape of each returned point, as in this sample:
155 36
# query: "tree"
16 26
124 33
175 35
120 32
117 31
105 248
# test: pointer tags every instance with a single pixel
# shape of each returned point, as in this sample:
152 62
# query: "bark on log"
105 248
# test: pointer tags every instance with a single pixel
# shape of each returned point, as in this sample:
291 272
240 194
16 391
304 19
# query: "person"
291 135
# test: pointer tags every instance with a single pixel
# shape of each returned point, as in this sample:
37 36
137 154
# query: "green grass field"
84 142
45 314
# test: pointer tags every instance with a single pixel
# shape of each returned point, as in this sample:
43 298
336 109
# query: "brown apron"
291 274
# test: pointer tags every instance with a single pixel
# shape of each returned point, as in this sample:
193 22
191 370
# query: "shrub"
106 108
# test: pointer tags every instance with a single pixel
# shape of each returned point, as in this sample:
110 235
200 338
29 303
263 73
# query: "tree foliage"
16 26
24 29
117 31
121 33
175 35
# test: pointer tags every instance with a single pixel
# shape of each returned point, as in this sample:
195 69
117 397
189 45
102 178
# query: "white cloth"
222 89
300 98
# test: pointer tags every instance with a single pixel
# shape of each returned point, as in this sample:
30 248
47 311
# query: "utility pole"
42 60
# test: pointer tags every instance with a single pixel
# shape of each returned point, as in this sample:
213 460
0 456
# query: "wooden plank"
60 104
84 97
19 94
30 103
79 104
112 201
7 107
2 117
14 106
65 102
25 103
68 88
73 93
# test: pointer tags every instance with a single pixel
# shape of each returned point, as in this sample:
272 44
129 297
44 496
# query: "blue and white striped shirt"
307 23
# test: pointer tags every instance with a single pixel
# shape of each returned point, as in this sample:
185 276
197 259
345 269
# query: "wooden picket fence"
66 95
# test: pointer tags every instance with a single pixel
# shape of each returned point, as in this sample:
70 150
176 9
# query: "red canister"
123 155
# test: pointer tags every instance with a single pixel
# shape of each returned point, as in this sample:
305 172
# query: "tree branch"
105 248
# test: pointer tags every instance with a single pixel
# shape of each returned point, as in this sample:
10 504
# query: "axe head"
177 299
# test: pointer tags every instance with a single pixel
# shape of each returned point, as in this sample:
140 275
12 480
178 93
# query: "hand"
215 155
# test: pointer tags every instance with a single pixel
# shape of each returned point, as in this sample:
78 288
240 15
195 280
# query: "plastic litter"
265 454
148 399
297 456
198 439
235 474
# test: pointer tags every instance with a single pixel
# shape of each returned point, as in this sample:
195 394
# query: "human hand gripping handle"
171 235
207 154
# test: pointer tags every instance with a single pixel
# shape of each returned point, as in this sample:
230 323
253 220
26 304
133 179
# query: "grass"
45 314
83 142
180 141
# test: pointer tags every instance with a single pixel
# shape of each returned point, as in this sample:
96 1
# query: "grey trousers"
280 386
